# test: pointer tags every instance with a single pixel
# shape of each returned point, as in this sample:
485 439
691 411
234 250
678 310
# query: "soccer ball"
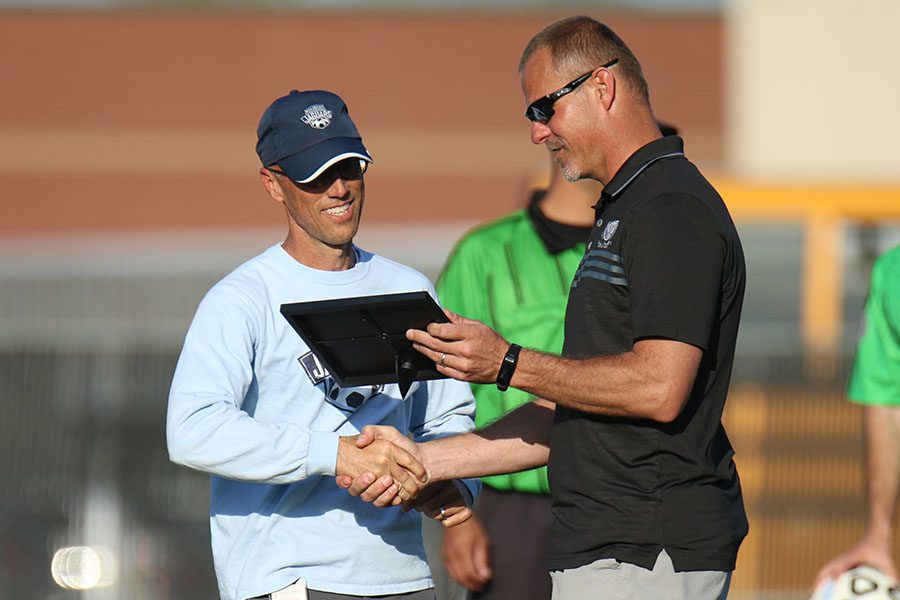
864 583
349 399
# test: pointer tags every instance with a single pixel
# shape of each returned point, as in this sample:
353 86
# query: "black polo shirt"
663 261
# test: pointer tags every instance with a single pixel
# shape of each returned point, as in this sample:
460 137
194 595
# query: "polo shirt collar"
665 147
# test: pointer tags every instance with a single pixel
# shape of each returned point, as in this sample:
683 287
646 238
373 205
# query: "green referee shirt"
514 275
876 368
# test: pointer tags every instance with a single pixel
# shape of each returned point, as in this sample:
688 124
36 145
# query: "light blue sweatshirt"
243 408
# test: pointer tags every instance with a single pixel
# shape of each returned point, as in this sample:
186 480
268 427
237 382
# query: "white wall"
813 89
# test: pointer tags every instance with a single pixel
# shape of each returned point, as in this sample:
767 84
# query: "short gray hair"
578 44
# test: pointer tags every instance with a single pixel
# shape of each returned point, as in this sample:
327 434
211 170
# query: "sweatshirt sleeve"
208 427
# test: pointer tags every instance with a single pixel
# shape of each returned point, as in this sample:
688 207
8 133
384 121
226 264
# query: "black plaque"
362 340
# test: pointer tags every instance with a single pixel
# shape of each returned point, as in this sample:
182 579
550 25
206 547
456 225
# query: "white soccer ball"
864 583
349 399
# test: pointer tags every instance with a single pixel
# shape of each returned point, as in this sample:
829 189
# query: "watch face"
508 367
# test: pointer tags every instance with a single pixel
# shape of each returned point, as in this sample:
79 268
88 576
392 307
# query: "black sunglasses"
541 109
347 169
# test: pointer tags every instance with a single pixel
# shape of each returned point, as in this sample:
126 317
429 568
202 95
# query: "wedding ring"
443 356
443 513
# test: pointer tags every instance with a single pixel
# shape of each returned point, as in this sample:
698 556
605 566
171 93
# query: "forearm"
651 381
883 468
518 441
574 383
445 408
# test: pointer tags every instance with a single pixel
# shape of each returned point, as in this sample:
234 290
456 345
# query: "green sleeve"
461 286
876 369
465 287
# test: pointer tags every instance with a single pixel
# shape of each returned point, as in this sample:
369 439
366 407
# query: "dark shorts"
518 525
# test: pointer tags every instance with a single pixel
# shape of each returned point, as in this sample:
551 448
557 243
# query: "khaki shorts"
609 579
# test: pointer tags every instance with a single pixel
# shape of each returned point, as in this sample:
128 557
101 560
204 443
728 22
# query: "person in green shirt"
875 383
514 274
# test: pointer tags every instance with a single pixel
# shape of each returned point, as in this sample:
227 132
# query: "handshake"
383 466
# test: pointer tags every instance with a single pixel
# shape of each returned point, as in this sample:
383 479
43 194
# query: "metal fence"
86 358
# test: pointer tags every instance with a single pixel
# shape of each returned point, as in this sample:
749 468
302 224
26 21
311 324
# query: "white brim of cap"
332 161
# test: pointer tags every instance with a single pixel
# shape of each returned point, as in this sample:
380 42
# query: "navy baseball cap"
307 132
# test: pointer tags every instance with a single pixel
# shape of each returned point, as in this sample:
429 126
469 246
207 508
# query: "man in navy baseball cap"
305 133
251 405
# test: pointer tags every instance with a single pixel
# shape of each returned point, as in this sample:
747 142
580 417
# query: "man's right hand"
380 491
466 552
868 551
380 461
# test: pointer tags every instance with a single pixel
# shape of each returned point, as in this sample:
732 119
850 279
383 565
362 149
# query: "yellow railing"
821 210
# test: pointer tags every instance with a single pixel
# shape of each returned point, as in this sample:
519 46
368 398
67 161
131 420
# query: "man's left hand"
466 550
463 349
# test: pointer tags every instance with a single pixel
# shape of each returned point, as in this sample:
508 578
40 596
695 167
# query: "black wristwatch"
508 367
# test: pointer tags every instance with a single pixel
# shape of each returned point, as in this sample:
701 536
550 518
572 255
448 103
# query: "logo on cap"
316 116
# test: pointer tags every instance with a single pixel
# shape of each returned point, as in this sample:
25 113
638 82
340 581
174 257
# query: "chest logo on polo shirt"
610 230
607 234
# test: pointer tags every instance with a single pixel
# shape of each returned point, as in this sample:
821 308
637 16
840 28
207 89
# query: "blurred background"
128 185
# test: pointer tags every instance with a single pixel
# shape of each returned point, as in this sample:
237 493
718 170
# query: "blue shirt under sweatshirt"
243 408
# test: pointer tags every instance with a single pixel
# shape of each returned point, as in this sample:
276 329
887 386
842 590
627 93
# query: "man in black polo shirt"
646 498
